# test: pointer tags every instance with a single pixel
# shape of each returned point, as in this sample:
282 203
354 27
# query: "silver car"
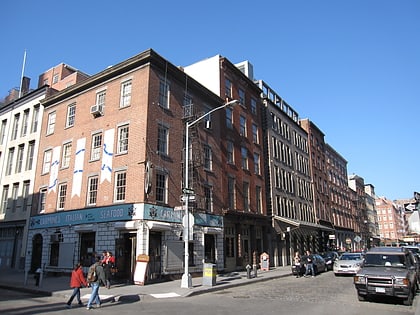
348 263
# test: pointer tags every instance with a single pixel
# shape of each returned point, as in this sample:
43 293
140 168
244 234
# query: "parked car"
319 265
348 263
387 272
329 258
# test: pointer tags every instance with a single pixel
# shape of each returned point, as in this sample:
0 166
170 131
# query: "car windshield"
351 257
385 260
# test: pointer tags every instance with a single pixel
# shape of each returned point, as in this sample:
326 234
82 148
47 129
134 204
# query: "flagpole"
23 71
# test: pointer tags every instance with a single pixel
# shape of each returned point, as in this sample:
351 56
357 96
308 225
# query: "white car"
348 263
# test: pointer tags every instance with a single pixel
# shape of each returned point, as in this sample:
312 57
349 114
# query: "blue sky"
352 67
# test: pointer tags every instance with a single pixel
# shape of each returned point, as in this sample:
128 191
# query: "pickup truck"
387 272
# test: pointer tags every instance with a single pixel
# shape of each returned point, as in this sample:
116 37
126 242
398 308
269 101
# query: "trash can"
209 274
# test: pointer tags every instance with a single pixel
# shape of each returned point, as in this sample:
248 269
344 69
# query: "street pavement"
60 285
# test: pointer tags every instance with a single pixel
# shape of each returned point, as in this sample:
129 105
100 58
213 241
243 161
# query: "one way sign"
410 207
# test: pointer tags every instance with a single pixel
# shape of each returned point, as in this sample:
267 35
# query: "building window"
92 194
42 199
14 199
100 99
255 134
10 159
35 117
244 157
257 169
258 199
164 93
122 139
229 118
4 199
62 192
51 123
15 127
65 160
208 157
30 156
46 163
208 198
228 88
120 185
231 192
241 94
230 152
19 163
25 196
55 78
24 130
125 94
161 187
95 153
242 126
245 188
253 106
162 141
3 131
71 115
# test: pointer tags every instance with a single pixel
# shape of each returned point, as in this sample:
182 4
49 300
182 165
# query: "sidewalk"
59 286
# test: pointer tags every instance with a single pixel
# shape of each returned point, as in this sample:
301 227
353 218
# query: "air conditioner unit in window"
55 238
96 110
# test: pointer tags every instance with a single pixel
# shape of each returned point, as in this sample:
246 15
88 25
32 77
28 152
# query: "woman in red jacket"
76 282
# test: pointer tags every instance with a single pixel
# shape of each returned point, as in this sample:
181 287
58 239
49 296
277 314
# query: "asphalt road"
324 294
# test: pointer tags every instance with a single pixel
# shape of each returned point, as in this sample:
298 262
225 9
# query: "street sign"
187 191
410 207
183 198
357 239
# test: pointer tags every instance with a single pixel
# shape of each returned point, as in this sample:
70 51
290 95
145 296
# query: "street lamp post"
186 281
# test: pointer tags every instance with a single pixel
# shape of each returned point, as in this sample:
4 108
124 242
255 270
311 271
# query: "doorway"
36 258
125 256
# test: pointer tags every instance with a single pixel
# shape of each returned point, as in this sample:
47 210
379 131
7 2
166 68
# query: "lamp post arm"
189 124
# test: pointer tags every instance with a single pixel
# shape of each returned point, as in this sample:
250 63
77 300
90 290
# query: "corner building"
110 172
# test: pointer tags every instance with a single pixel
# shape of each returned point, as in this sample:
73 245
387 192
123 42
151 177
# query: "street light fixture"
186 281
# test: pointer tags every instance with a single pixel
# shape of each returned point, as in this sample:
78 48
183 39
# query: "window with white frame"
24 130
162 141
46 163
55 78
120 186
14 199
51 123
230 152
244 156
4 199
255 134
35 118
123 139
61 198
95 153
242 126
241 94
100 99
42 200
208 198
3 131
208 157
65 160
92 194
229 118
71 115
125 94
19 159
30 156
25 196
15 127
164 94
257 169
10 160
161 187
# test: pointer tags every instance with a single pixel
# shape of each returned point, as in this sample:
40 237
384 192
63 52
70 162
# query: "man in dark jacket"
95 283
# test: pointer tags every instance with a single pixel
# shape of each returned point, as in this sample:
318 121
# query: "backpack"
91 275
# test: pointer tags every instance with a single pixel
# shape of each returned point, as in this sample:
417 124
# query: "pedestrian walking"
309 264
109 264
95 278
77 281
297 261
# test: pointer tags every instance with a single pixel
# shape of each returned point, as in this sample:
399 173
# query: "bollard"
248 271
38 277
